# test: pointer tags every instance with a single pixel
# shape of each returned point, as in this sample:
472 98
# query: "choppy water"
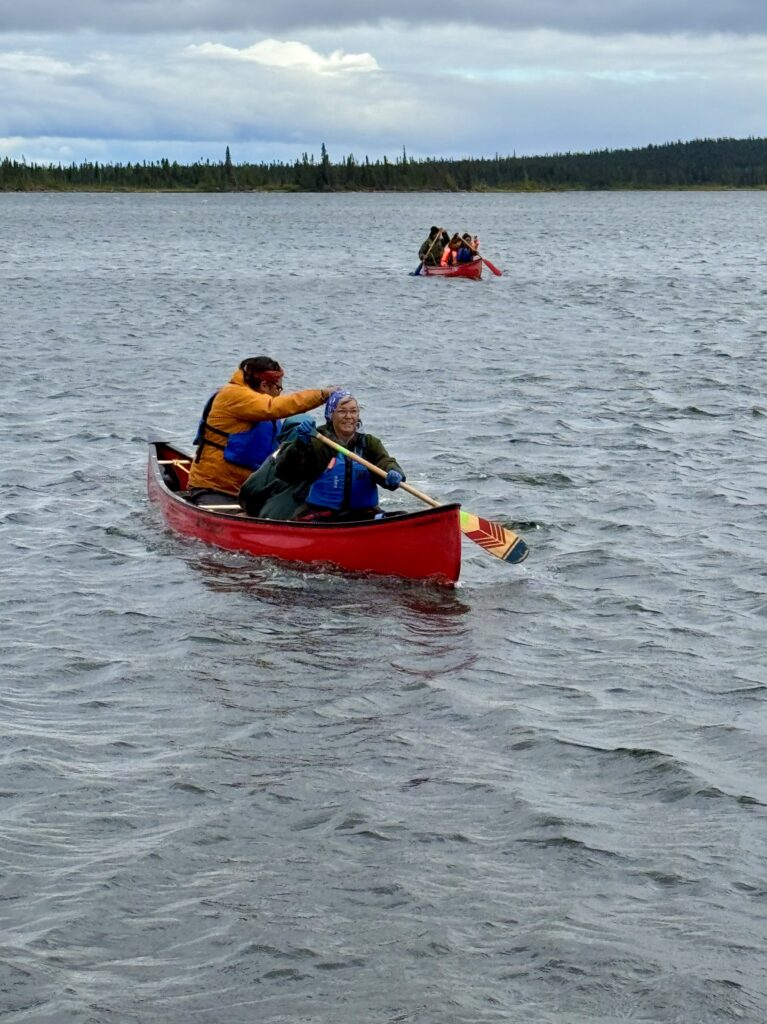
234 792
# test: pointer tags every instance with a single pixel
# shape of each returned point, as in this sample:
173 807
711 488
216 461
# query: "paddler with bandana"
337 487
239 427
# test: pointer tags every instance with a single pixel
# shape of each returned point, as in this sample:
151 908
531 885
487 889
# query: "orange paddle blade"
494 538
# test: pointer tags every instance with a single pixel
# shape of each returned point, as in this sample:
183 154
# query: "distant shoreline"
267 190
701 165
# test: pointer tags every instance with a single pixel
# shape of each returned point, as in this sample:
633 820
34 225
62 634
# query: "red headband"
270 376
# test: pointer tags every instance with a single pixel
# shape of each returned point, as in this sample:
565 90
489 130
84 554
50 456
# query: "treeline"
705 163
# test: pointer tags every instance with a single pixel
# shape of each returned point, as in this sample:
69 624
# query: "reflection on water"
307 586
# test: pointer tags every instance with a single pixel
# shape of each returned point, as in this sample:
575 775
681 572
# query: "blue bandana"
332 402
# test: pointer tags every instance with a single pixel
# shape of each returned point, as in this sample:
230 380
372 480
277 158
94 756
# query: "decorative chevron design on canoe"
494 538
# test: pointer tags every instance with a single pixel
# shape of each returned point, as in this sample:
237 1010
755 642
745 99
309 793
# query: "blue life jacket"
247 448
345 484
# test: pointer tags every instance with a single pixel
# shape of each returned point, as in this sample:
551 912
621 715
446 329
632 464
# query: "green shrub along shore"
700 164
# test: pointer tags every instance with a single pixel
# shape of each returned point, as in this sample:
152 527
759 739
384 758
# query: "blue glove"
393 480
305 431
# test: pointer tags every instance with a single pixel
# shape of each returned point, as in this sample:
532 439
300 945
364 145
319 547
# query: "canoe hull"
472 270
416 546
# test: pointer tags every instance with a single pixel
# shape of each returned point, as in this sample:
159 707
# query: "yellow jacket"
236 408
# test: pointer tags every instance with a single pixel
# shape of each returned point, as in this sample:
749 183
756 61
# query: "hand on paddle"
393 480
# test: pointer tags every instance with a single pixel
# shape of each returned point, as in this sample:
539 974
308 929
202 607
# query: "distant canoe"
471 270
424 545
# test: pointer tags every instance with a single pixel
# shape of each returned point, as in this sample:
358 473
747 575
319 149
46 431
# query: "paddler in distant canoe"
460 249
335 487
450 252
430 252
467 250
239 427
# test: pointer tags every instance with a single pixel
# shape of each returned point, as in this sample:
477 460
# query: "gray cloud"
369 90
187 101
584 16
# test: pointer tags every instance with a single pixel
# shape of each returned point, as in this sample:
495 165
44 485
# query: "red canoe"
471 270
417 546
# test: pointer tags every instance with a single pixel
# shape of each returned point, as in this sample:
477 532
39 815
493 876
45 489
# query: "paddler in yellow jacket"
239 427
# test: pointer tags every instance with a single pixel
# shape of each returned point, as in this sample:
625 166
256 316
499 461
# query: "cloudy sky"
118 80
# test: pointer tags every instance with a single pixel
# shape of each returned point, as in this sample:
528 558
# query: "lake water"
232 791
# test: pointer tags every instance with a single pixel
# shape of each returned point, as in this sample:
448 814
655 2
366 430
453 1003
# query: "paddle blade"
492 267
417 271
494 538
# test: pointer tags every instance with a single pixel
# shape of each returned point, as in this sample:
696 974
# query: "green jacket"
435 252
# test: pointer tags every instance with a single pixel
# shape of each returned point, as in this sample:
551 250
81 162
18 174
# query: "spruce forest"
704 164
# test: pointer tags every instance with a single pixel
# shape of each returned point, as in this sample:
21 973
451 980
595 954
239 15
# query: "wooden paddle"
491 536
419 268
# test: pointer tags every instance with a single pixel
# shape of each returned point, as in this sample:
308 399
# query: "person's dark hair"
253 367
433 231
